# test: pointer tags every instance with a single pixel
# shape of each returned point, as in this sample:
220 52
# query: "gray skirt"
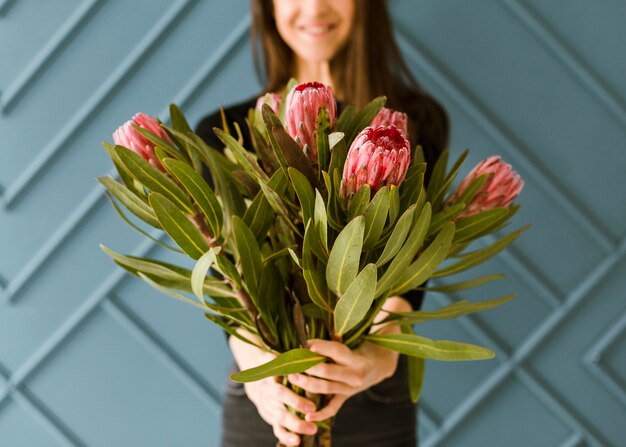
381 416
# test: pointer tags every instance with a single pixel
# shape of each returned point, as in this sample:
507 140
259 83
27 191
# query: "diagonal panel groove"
574 440
5 5
53 47
526 347
529 379
568 58
43 160
147 336
475 111
16 285
605 375
46 418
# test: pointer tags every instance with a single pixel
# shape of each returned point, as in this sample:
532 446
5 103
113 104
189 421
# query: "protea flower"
275 102
126 135
379 157
387 117
500 189
302 105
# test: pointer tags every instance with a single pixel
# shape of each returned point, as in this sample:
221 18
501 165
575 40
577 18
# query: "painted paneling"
92 357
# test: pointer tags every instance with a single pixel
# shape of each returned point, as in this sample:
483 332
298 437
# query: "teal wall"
92 357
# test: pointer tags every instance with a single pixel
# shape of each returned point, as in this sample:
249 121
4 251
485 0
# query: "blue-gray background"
90 356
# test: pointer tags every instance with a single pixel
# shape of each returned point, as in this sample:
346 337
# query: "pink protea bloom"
387 117
377 157
302 105
126 135
500 189
275 102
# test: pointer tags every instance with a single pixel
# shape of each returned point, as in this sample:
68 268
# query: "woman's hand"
353 371
271 397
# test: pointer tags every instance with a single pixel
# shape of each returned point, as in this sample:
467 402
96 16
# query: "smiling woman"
349 46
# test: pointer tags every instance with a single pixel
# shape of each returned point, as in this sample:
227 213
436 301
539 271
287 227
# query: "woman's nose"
314 8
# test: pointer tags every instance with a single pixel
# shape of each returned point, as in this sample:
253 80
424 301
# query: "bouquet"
305 234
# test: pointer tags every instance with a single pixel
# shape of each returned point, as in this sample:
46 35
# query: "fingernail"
293 440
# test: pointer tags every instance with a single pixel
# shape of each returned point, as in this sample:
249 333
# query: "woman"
349 45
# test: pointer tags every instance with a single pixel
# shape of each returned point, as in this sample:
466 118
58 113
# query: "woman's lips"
317 30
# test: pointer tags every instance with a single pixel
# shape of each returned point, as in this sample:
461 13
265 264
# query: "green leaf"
244 158
394 204
479 224
417 346
323 150
154 179
179 122
225 184
321 225
407 252
420 270
364 117
139 230
170 292
124 173
198 274
338 152
464 285
230 330
198 189
437 175
304 190
249 255
444 216
398 236
260 215
178 226
290 362
437 199
127 198
479 256
343 261
375 217
345 120
416 369
359 202
313 276
354 304
294 156
271 120
413 187
270 295
454 310
418 156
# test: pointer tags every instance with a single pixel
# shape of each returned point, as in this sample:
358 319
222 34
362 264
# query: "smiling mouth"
317 30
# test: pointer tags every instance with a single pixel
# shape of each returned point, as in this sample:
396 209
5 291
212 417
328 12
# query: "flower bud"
500 189
378 157
275 101
387 117
302 105
126 135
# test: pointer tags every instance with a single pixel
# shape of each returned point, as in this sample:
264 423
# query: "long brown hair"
358 69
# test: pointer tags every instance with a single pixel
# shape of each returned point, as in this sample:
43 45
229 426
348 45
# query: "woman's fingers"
289 397
329 410
284 436
293 423
320 386
339 373
339 352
